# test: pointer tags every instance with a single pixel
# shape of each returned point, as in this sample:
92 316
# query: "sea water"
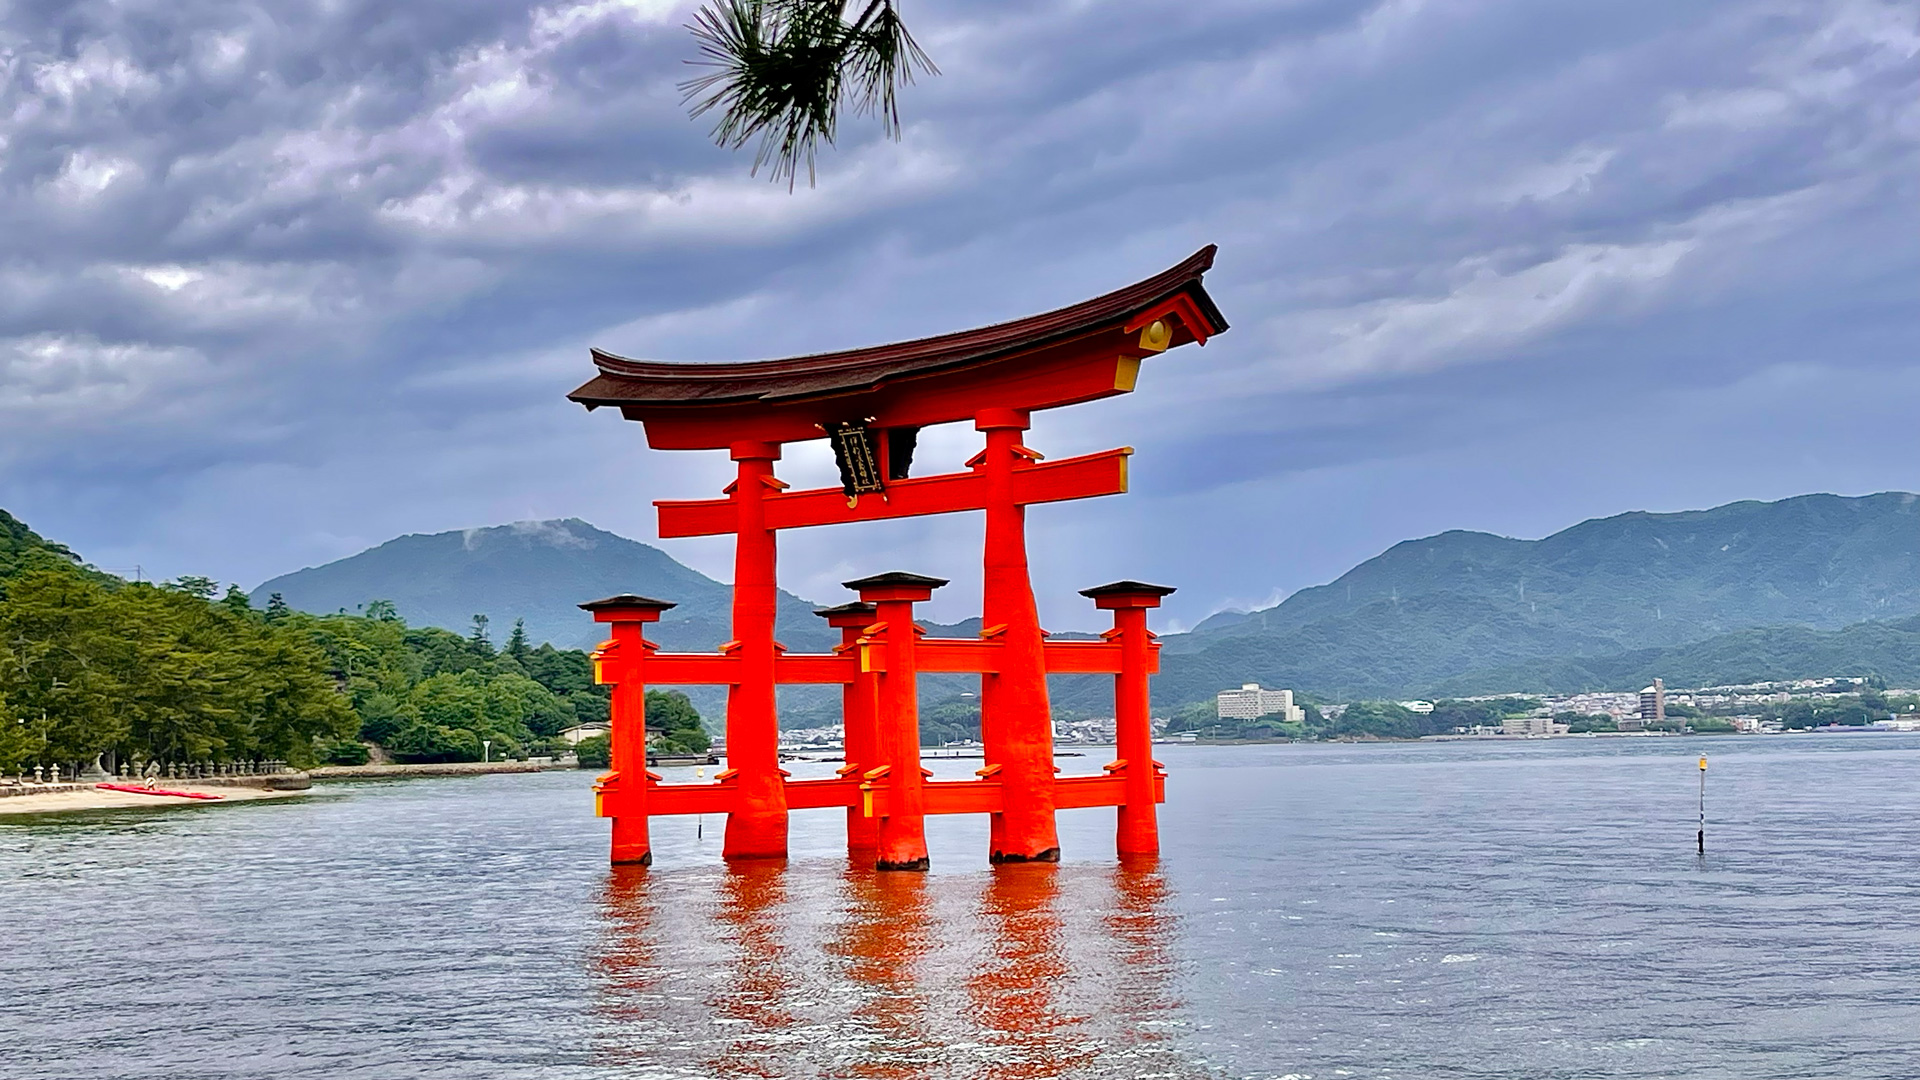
1505 909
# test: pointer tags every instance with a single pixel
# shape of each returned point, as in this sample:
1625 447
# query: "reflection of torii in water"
1023 972
871 403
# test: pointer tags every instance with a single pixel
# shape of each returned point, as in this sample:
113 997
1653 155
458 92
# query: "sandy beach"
96 799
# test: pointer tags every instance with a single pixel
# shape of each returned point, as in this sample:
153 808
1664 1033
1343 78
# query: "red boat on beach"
138 790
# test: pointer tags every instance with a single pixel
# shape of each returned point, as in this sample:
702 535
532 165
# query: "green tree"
425 743
1194 716
288 702
61 672
277 609
671 710
201 588
236 601
685 741
1380 719
517 641
1582 723
344 752
478 641
595 752
16 738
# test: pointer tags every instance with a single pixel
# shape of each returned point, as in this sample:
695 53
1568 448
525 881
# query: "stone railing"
272 774
10 787
451 768
210 770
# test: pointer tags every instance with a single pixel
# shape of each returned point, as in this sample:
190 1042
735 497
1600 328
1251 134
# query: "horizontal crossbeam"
941 796
957 654
931 654
1085 477
1091 658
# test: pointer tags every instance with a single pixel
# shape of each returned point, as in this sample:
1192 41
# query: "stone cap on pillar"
853 613
627 607
895 585
1127 594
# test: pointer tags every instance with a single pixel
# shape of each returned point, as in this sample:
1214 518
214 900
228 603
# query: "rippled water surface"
1513 910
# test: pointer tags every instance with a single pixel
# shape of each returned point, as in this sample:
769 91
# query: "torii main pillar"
1016 722
758 829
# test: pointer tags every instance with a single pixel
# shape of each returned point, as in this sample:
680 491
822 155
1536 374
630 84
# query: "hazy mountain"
1462 608
537 571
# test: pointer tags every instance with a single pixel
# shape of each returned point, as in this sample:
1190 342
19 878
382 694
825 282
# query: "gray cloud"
281 280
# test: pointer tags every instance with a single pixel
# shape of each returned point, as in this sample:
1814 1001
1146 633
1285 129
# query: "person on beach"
152 774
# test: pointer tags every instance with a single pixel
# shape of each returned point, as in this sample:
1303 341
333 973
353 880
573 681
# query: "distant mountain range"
1741 592
1599 604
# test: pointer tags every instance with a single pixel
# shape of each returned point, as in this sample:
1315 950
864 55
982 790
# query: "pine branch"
780 69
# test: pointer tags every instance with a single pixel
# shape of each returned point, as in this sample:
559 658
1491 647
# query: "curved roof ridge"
623 379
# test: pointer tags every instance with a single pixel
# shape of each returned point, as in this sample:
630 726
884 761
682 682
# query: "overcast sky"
280 281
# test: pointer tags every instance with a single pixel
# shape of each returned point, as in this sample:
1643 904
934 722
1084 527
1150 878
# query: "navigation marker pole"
1702 838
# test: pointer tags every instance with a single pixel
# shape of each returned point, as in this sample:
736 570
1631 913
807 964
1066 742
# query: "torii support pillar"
891 650
859 703
757 828
1138 830
1016 720
617 662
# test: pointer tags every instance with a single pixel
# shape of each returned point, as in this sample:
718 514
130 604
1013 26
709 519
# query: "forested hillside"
1888 652
90 664
94 665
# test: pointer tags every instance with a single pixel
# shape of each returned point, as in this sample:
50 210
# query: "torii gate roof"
1034 362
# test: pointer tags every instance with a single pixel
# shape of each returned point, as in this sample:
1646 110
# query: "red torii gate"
871 403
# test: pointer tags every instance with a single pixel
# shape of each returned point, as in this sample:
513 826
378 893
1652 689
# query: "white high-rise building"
1251 703
1653 703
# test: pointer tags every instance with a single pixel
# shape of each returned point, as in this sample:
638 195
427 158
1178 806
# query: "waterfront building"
1653 703
577 732
1421 707
1532 725
1250 702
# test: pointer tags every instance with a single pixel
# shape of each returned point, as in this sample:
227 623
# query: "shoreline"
92 798
450 768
